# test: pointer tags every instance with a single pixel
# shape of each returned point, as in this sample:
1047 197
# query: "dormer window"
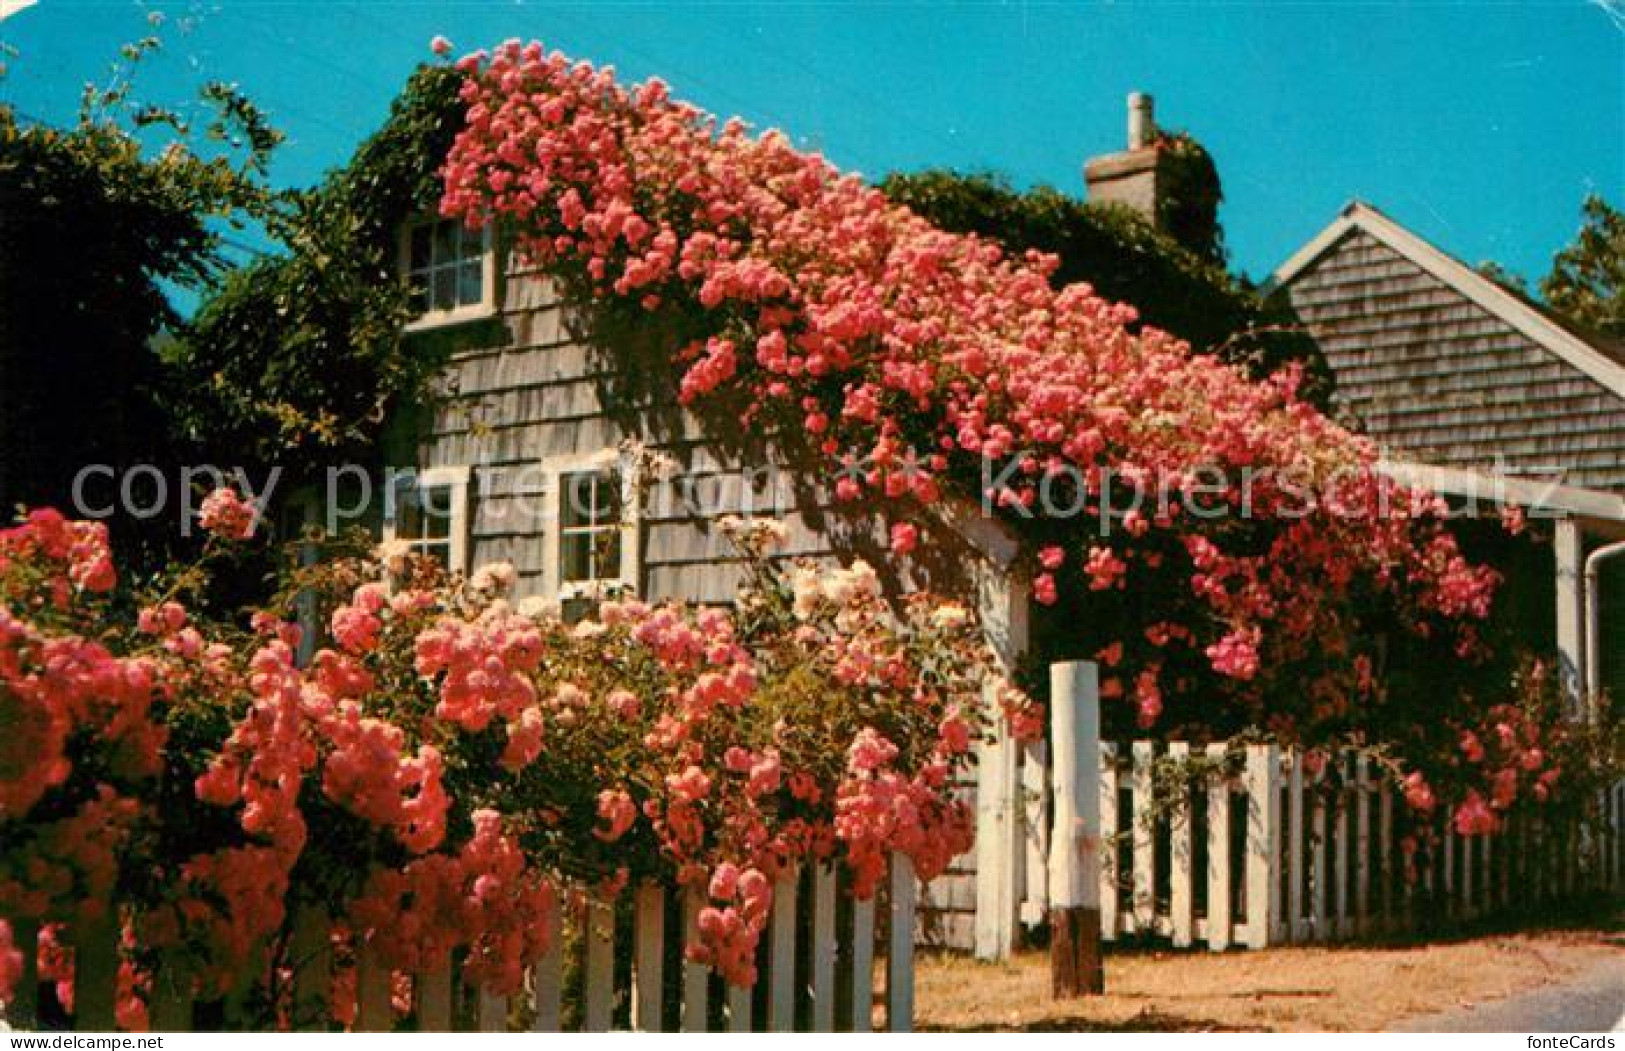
450 272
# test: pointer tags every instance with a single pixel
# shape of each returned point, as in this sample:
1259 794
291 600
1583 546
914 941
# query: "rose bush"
433 778
1264 563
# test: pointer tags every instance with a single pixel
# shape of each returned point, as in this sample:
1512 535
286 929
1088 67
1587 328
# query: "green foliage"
1587 282
1125 259
96 227
300 357
1189 195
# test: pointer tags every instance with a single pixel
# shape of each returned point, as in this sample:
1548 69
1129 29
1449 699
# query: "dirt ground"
1288 989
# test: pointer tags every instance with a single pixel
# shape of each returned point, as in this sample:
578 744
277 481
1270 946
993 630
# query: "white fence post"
1074 855
696 979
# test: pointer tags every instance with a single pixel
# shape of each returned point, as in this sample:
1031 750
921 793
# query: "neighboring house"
1475 391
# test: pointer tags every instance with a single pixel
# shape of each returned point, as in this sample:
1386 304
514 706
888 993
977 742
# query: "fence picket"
491 1012
1265 924
781 969
1218 855
1110 876
696 979
22 1009
1181 847
1035 780
863 965
1317 870
1385 851
900 956
824 947
170 1002
600 994
312 950
1362 845
739 1009
1342 915
547 976
1295 868
1144 838
432 993
648 956
372 993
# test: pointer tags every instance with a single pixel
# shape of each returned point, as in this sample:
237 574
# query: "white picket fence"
1270 852
1251 846
816 963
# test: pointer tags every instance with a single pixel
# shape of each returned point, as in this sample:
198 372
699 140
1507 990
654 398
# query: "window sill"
449 318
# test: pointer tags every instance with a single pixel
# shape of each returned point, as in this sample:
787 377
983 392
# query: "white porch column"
1000 853
1569 547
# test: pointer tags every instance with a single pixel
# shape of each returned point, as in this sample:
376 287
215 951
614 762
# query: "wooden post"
1296 867
1074 857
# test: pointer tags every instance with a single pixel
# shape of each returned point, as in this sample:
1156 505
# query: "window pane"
473 243
420 247
575 557
418 293
607 500
408 516
445 243
607 552
576 610
470 279
445 289
576 500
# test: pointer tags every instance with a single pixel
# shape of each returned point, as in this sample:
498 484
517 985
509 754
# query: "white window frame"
432 319
555 470
456 481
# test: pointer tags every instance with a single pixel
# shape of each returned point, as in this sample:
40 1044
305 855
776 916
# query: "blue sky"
1479 125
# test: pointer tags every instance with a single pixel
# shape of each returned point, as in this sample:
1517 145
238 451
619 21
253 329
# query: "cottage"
1481 395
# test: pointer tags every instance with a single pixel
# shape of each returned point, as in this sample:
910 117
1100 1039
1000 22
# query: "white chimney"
1142 124
1130 177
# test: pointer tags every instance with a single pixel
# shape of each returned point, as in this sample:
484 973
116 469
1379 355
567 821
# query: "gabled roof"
1604 364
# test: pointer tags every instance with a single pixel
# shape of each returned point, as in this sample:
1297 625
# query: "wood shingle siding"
1434 376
